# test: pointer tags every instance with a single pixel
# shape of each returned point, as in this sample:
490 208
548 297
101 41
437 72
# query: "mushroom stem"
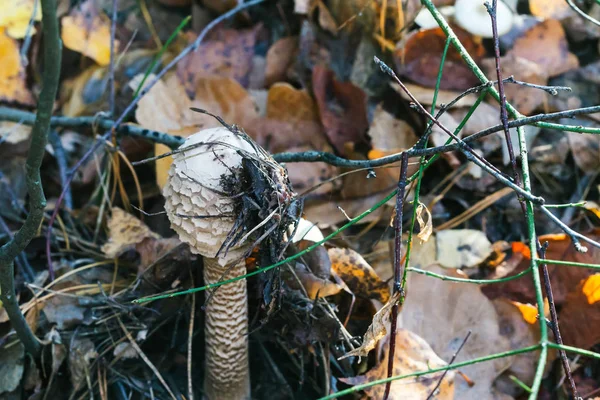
226 332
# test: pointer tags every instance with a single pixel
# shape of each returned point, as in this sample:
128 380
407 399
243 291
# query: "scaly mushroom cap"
194 190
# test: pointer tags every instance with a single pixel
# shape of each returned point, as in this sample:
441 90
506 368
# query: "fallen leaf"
342 107
418 58
87 31
315 286
125 231
16 15
443 313
562 278
413 354
279 58
376 331
462 248
358 275
556 9
546 45
520 333
227 54
425 226
81 354
528 311
12 73
585 149
389 134
580 314
12 360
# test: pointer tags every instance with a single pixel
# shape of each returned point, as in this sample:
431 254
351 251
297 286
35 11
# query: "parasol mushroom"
222 191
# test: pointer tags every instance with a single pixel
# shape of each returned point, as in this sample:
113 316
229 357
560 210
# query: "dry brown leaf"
87 31
563 279
443 313
342 107
227 54
279 58
418 58
520 334
585 150
413 354
376 331
16 15
358 275
546 45
125 231
315 286
425 226
462 248
12 73
524 99
580 316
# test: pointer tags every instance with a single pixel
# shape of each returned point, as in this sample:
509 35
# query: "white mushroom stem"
226 330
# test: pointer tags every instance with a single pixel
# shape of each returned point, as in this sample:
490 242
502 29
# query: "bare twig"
449 363
548 286
574 235
398 289
39 136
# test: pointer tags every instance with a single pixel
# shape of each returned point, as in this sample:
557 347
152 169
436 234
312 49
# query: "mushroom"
472 16
201 211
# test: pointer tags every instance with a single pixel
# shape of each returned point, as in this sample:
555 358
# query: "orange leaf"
591 288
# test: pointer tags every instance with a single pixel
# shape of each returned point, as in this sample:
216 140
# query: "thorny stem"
398 273
555 329
39 136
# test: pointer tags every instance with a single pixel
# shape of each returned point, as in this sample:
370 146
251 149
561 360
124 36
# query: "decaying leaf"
12 73
125 231
362 280
413 354
12 360
418 58
279 58
425 225
376 331
580 316
546 45
342 107
462 248
16 15
81 354
443 313
87 31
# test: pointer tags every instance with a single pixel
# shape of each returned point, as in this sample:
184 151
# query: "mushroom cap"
194 189
472 16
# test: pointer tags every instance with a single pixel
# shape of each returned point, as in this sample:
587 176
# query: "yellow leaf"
12 74
591 288
16 14
88 32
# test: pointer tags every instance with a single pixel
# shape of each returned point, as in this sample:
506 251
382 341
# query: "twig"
449 363
398 273
580 12
28 35
571 233
111 66
61 160
548 286
553 90
10 250
503 114
130 107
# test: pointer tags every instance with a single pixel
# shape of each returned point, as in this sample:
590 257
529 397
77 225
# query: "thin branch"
39 136
548 286
449 363
574 235
581 13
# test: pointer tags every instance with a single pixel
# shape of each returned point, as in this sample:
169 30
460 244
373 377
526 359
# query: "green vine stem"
37 200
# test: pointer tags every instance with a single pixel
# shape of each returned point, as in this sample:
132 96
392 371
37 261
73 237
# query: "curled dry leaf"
458 308
425 225
125 231
546 45
413 354
12 73
376 331
563 279
87 31
342 107
358 275
227 54
418 58
462 248
580 316
279 58
16 15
